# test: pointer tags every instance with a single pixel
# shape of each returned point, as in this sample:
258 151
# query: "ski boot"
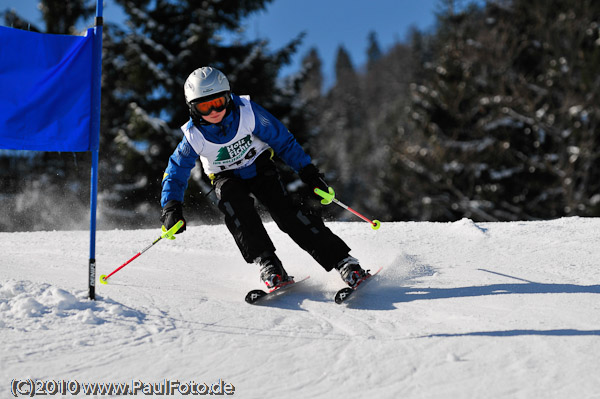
350 271
272 272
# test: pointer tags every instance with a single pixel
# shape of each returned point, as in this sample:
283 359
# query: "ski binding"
255 296
345 293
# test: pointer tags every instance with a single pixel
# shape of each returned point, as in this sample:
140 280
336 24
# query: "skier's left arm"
273 132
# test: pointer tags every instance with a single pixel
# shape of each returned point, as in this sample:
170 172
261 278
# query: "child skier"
235 139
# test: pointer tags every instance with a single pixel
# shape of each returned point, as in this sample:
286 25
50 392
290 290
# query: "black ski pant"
245 224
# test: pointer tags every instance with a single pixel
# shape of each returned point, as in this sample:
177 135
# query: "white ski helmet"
205 84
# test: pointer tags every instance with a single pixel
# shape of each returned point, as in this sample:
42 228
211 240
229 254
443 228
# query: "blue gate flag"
45 91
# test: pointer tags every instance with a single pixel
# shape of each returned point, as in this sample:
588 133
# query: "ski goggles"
216 104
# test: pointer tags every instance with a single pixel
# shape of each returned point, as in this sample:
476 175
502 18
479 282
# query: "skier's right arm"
174 183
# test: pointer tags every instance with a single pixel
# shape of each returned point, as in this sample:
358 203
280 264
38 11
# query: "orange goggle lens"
217 104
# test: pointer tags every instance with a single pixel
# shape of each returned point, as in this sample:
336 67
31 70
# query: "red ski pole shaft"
329 197
132 259
346 207
122 266
166 234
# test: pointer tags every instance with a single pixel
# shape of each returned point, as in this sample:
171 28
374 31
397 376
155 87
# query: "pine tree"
373 49
312 85
341 123
62 16
497 106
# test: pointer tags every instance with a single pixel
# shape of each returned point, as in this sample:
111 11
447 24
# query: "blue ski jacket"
267 128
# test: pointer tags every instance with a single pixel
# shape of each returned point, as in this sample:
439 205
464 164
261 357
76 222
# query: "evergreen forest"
492 114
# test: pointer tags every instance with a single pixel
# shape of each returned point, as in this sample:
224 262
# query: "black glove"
311 176
171 214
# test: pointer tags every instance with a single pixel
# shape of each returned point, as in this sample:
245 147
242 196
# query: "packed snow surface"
460 310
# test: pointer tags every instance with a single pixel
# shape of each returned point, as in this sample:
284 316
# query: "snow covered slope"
460 310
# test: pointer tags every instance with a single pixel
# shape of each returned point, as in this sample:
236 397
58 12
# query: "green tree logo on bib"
234 152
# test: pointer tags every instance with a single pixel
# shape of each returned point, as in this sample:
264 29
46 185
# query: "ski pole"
166 234
328 198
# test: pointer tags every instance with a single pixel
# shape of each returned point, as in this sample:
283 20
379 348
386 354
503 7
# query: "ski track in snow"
460 310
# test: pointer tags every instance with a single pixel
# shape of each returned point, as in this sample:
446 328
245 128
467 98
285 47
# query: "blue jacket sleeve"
270 130
175 178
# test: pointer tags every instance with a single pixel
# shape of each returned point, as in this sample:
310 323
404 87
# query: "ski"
255 296
345 293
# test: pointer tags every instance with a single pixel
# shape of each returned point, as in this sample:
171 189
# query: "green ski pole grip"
171 232
327 197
